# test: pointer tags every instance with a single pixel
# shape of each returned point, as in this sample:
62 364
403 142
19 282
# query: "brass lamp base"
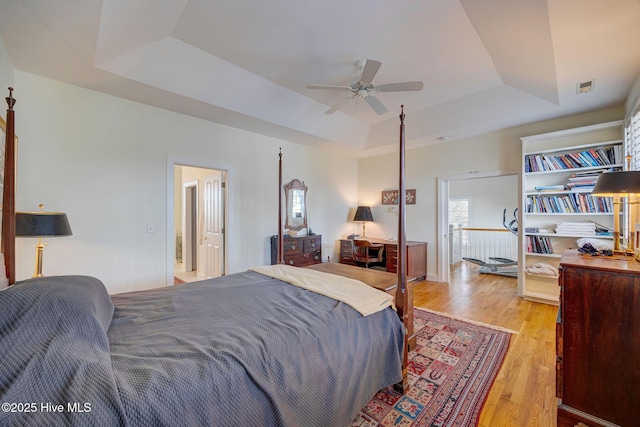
39 248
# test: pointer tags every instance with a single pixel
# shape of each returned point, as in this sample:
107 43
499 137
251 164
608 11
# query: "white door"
213 225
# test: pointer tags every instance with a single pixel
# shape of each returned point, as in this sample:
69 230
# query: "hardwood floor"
524 391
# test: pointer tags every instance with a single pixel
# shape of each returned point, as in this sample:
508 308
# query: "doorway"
199 200
444 197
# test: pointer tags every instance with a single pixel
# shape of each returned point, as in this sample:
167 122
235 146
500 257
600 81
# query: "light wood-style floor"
524 391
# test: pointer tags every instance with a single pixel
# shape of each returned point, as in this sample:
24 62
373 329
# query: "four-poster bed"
244 349
402 288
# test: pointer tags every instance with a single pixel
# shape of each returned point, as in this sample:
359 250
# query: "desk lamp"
619 185
363 213
41 224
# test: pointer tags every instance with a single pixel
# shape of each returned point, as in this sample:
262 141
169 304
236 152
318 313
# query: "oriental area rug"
450 373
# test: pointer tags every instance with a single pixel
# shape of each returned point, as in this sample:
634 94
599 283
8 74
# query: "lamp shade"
617 184
42 224
363 213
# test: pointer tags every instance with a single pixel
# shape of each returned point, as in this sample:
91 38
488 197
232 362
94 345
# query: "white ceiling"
485 64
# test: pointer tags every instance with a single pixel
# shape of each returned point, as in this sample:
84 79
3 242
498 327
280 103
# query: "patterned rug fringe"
451 316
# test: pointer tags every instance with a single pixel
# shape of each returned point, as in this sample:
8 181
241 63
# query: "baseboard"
432 277
541 298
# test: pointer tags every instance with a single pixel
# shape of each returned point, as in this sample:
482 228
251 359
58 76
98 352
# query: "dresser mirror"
296 199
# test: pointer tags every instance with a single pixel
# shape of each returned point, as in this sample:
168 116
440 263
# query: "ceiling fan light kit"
364 89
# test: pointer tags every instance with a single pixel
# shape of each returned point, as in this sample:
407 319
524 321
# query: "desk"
416 256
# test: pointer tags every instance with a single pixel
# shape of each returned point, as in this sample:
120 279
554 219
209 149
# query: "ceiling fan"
364 88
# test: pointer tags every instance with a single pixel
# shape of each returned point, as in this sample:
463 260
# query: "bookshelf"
559 170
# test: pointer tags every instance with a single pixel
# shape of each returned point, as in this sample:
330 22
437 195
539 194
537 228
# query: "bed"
251 348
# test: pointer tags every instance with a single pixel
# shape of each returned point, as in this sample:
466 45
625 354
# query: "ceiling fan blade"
376 104
398 87
369 71
328 87
339 105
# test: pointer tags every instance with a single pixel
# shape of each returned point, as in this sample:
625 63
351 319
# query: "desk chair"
366 252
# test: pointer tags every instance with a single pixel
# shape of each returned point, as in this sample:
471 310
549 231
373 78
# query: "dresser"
416 256
298 251
598 341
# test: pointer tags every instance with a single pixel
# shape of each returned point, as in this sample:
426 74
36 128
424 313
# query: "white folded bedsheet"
360 296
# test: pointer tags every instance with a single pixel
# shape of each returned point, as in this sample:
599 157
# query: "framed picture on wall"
390 197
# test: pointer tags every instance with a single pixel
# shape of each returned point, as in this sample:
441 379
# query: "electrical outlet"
151 228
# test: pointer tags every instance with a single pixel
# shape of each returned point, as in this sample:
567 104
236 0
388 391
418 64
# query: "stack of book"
583 181
536 230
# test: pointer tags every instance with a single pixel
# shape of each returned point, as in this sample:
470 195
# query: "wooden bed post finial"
10 99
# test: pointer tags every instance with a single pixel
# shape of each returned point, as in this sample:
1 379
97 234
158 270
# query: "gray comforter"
241 350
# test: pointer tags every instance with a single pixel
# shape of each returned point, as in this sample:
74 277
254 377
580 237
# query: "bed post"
280 243
8 246
403 303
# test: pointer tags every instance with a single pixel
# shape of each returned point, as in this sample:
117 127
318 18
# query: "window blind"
632 136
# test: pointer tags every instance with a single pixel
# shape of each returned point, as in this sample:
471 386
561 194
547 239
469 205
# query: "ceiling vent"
585 87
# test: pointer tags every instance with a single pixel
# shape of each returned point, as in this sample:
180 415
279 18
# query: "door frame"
443 215
188 227
173 161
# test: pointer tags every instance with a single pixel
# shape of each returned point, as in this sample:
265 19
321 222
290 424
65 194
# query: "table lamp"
363 213
41 224
619 185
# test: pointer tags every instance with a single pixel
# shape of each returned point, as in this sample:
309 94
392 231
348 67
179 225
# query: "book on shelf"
583 188
535 230
556 187
602 156
575 202
539 245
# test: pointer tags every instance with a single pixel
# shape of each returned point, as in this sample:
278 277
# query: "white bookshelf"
548 160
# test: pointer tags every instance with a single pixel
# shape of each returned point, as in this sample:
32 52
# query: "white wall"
495 151
489 197
103 161
6 75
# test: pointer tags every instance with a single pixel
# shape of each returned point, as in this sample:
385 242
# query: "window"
458 218
632 134
459 211
632 138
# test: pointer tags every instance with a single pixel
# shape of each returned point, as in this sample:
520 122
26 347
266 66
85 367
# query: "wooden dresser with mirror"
297 250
